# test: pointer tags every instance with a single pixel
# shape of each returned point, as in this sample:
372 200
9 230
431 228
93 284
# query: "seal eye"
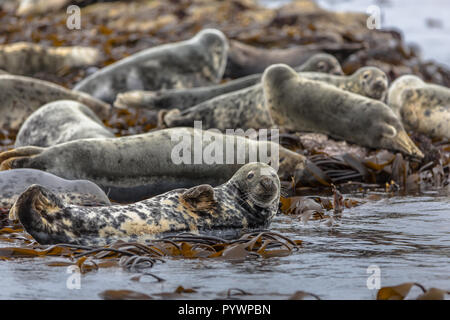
365 76
250 175
321 65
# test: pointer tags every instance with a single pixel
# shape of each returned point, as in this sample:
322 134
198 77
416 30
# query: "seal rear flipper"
201 197
40 212
17 158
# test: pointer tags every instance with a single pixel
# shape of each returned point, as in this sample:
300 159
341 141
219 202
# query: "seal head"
373 81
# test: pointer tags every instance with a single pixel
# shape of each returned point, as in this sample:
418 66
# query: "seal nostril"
267 184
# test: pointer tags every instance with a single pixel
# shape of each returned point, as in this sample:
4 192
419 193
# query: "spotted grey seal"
245 59
191 63
133 168
184 98
60 121
423 107
78 192
248 200
24 58
20 96
300 104
246 108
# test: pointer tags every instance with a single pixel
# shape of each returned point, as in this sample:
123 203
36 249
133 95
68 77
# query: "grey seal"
21 96
423 107
184 98
244 59
246 108
58 122
248 200
133 168
191 63
296 103
78 192
24 58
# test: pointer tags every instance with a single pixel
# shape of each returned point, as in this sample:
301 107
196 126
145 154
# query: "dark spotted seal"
58 122
21 96
248 200
423 107
195 62
246 108
296 103
184 98
79 192
133 168
244 59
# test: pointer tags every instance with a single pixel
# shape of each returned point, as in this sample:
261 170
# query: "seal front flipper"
17 158
200 197
41 213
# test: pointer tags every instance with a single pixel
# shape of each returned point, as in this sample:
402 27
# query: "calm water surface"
408 238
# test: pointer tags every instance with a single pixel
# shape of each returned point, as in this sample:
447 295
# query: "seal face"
79 192
133 168
423 107
21 96
300 104
58 122
195 62
184 98
248 200
370 82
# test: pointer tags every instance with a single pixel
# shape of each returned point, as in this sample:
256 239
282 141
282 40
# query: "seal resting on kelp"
21 96
191 63
79 192
248 200
184 98
58 122
133 168
299 104
246 108
423 107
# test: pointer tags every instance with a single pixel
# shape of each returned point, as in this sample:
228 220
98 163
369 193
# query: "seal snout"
267 184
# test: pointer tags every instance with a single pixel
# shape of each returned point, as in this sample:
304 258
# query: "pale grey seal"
78 192
21 96
191 63
184 98
133 168
423 107
300 104
58 122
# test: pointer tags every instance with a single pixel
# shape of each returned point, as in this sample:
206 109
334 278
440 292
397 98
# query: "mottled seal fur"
370 82
133 168
78 192
423 107
24 58
191 63
296 103
248 200
184 98
58 122
246 108
21 96
245 59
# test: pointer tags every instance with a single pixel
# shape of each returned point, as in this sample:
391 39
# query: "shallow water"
408 238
